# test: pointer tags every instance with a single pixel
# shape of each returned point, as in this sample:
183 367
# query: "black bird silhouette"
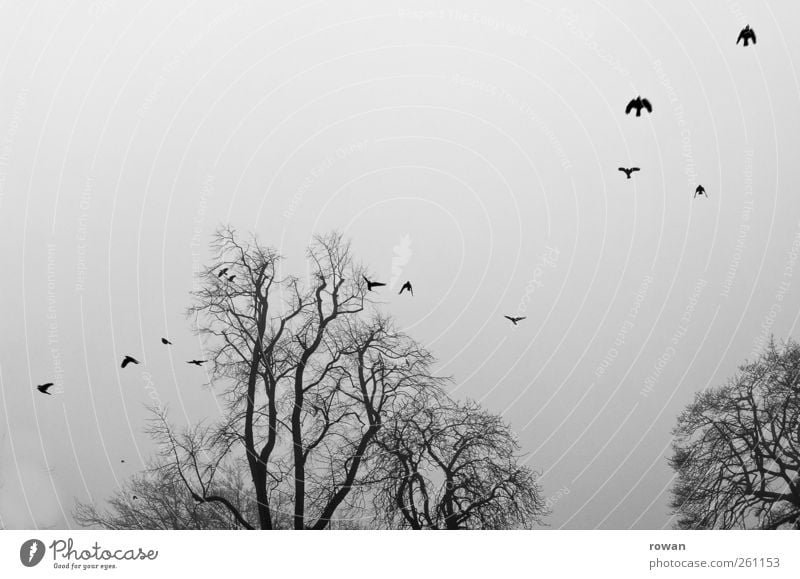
700 191
629 171
222 272
43 388
372 284
197 362
233 277
166 342
747 34
129 360
407 286
135 497
639 103
515 321
123 460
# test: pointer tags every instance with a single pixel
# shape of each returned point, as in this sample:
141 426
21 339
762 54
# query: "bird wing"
377 284
125 362
632 169
741 36
646 104
630 106
753 36
509 318
623 169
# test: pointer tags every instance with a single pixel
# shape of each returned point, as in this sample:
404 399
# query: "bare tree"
159 499
737 449
446 465
322 395
307 374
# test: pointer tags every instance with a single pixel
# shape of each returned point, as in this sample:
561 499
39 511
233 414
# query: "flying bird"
746 34
166 342
700 191
629 171
231 278
222 272
129 360
407 286
639 103
43 388
123 460
514 320
372 284
197 362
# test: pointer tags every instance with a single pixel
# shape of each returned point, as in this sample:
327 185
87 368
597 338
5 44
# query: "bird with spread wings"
639 103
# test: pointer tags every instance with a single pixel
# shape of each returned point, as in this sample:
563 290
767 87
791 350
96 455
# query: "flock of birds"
126 361
222 274
373 284
638 104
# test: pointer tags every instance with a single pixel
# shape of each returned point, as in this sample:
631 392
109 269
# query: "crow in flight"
129 360
233 277
407 286
166 342
222 272
747 34
372 284
700 191
514 321
43 388
197 362
629 171
639 103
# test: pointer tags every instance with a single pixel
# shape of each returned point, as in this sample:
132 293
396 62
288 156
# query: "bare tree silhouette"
164 501
448 465
737 452
308 377
317 386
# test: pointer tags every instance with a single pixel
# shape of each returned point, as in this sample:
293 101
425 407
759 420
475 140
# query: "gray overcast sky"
468 147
